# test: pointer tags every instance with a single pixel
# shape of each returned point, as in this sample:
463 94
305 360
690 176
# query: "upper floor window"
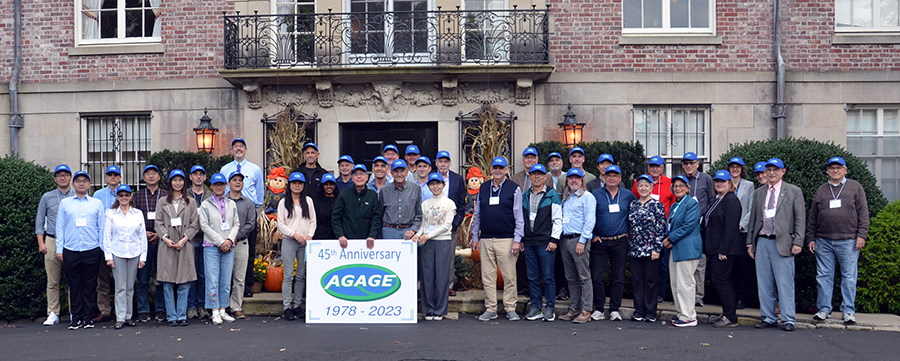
873 135
668 16
867 15
117 21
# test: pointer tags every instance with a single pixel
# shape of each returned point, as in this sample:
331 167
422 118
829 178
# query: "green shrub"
22 276
878 287
168 160
629 156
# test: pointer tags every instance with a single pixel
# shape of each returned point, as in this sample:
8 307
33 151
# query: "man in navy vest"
498 222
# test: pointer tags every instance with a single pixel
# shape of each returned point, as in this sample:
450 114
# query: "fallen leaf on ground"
120 335
574 333
619 328
730 336
178 339
235 329
704 344
137 333
265 321
642 348
180 357
664 322
282 350
363 328
277 318
397 342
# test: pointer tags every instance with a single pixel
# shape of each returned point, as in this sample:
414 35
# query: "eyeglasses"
679 186
81 180
124 195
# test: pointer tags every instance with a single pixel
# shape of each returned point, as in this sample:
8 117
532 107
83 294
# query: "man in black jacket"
311 168
357 214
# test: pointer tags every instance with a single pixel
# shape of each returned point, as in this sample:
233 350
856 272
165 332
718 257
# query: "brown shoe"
239 314
570 315
452 293
584 317
102 318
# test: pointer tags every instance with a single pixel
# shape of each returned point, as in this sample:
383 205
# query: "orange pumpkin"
476 255
274 278
499 279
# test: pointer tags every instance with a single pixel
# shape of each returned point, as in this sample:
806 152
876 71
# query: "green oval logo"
360 282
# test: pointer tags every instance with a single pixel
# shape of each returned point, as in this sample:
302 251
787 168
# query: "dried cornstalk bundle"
287 139
268 234
489 137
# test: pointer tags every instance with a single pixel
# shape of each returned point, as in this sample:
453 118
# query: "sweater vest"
497 221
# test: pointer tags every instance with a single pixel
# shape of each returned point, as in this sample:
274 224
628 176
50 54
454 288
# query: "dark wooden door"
364 141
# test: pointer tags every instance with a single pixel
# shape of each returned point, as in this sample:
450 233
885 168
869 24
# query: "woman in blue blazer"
687 248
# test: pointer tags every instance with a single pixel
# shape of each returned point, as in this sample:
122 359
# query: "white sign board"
361 285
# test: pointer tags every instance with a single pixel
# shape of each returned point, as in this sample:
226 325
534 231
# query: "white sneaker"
615 316
217 319
597 316
849 318
226 317
821 315
438 318
52 319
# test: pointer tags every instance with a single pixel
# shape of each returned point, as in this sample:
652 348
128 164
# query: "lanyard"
706 219
672 212
147 200
613 198
835 197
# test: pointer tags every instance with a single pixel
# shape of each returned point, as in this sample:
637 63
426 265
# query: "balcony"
398 45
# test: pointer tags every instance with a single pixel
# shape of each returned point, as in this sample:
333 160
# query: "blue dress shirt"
79 224
579 215
612 224
254 182
106 196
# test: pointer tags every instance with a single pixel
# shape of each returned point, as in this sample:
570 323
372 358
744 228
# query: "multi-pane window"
672 131
118 21
873 136
668 16
486 32
295 38
120 139
388 26
867 15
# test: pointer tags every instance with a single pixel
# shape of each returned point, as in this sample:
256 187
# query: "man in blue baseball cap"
146 200
603 161
701 189
555 166
423 168
254 190
311 168
576 160
246 211
379 175
357 213
390 154
410 156
106 195
776 234
837 229
609 247
197 291
45 231
543 227
401 206
343 179
497 230
529 158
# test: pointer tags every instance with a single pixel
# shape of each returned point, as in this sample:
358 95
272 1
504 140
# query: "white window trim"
667 30
121 40
878 137
388 52
671 158
876 17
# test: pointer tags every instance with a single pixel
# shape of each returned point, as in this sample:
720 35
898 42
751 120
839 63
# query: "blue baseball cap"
606 157
538 168
357 167
379 159
412 149
656 160
149 167
235 174
123 188
434 177
345 158
399 163
499 161
217 178
736 160
442 154
722 175
423 159
298 177
238 139
689 156
310 144
81 172
554 154
198 167
113 169
576 149
390 147
62 168
681 178
328 177
575 172
759 167
613 168
175 172
837 160
776 162
530 150
644 177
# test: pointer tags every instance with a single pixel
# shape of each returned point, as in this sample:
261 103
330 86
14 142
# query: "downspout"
778 110
15 119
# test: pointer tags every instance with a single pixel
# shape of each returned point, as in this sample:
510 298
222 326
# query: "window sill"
865 38
88 50
670 40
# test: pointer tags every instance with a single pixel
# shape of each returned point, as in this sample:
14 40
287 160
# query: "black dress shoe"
289 314
298 313
765 325
173 323
788 327
248 294
740 305
129 323
182 323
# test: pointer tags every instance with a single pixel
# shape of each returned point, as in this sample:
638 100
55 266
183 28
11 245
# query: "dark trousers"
559 272
644 273
521 274
251 242
81 272
614 253
142 290
721 280
663 272
197 290
740 277
541 265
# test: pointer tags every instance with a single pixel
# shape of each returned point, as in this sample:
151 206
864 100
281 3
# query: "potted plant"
260 268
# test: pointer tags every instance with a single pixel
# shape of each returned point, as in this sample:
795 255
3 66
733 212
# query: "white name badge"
80 222
770 213
430 229
565 220
176 222
226 226
614 208
834 203
151 215
494 201
655 196
532 216
695 198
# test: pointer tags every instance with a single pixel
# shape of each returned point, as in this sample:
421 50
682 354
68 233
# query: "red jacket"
663 188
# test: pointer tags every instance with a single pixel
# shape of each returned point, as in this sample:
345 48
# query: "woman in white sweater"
220 224
437 249
297 224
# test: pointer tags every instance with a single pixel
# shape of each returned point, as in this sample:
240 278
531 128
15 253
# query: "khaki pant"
54 275
495 252
104 301
700 277
681 278
241 257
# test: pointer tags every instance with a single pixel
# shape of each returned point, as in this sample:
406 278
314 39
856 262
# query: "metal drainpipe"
778 110
15 119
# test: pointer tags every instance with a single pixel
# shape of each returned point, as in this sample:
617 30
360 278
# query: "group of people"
569 225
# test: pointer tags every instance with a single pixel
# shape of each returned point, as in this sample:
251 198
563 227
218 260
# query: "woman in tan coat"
176 223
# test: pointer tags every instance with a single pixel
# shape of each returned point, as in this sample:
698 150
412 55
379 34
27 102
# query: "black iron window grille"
470 128
269 121
119 139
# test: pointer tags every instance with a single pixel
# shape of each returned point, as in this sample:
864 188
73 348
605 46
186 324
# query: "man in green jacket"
357 214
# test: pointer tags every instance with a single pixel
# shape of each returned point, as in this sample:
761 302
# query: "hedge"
878 285
629 156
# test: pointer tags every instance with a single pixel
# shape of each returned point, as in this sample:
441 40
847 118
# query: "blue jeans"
218 266
775 281
142 290
393 233
540 264
176 309
197 290
844 251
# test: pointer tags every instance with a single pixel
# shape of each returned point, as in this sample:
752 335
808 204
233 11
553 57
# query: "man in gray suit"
776 233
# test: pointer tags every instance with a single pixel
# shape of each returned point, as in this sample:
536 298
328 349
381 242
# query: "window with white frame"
867 15
296 31
873 136
120 139
388 26
117 21
671 131
485 31
668 16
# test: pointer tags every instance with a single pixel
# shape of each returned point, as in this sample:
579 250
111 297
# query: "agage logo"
360 282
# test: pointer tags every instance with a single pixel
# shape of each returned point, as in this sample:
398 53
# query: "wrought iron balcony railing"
439 37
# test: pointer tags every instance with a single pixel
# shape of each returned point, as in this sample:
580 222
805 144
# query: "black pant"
615 253
644 273
721 280
740 275
559 273
81 273
251 241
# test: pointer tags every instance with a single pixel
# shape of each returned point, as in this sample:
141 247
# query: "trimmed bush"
629 156
22 276
168 160
878 287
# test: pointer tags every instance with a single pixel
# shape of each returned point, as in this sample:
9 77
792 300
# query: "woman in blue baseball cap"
220 224
647 228
687 248
437 249
723 243
125 246
177 222
297 224
324 200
